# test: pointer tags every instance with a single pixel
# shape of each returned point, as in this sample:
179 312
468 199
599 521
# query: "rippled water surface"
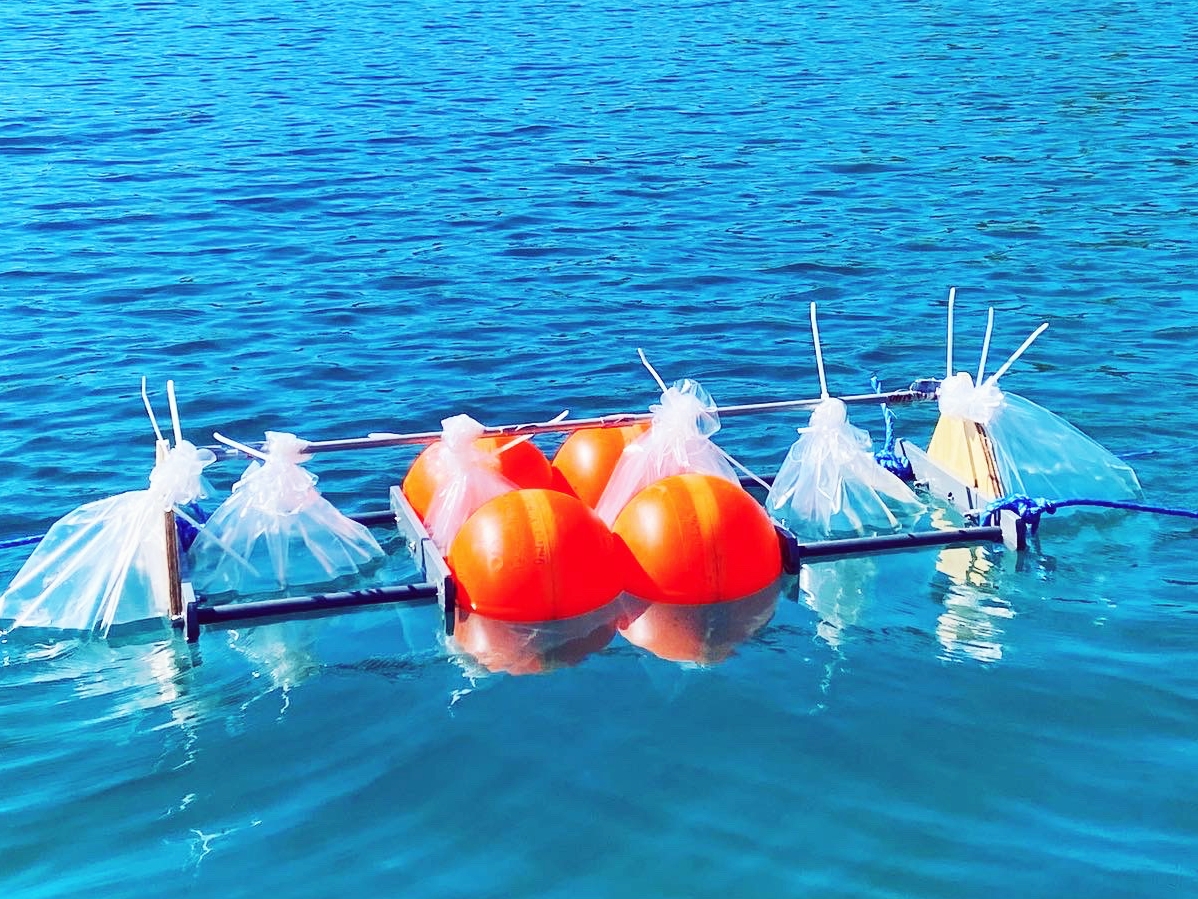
336 218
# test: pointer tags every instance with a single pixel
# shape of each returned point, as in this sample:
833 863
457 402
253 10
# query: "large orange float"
523 464
534 555
696 538
584 463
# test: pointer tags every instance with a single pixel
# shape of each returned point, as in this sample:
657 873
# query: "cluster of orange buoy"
540 553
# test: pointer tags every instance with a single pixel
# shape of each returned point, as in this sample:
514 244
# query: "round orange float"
696 538
586 459
524 465
534 555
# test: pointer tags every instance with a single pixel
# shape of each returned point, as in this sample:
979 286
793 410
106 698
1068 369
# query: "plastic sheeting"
468 477
830 484
1037 452
678 442
276 531
105 563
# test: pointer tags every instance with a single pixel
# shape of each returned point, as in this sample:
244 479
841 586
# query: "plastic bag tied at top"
830 483
105 563
1037 452
678 442
276 531
468 477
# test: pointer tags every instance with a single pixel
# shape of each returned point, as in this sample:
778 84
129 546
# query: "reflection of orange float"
523 464
534 647
695 539
584 463
705 634
534 555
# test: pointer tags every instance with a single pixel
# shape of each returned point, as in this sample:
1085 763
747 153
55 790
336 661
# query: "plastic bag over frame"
678 442
105 563
276 532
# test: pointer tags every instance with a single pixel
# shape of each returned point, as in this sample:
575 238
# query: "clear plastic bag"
467 475
276 531
831 485
1037 452
677 442
105 563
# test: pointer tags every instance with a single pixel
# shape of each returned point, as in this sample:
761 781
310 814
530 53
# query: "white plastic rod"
952 297
561 416
240 447
1019 352
170 398
652 370
986 345
819 355
145 398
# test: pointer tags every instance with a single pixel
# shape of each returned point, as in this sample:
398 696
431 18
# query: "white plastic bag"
468 477
105 563
678 442
276 531
1037 452
831 485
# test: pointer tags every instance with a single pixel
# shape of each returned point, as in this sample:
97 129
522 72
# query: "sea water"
334 218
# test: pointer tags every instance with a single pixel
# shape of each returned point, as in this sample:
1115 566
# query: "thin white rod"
652 370
524 437
145 398
1019 352
241 447
170 398
952 297
985 345
761 482
819 355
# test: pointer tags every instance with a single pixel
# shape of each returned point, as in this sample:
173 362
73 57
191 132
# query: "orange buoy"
704 634
534 555
519 647
587 458
524 465
696 538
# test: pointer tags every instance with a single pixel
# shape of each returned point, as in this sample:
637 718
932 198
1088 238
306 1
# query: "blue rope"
893 462
1031 510
21 541
187 531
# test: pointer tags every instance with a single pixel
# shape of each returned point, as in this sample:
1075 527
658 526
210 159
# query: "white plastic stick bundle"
105 563
678 442
1035 452
830 484
276 532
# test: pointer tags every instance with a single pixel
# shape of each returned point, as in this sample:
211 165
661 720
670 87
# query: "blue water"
335 218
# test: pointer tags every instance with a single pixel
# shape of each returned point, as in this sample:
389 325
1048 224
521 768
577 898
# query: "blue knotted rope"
893 462
1030 510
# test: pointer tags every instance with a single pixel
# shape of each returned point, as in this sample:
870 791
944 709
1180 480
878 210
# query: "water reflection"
701 634
517 647
971 623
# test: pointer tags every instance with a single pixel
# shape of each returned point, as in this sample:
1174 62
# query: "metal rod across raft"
917 392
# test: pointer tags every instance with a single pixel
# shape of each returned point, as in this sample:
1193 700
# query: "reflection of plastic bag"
677 442
1037 452
468 477
831 484
276 531
105 563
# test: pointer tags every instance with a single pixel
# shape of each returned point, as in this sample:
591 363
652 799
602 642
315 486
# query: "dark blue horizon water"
336 218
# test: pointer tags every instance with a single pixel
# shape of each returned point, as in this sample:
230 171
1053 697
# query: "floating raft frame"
437 585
